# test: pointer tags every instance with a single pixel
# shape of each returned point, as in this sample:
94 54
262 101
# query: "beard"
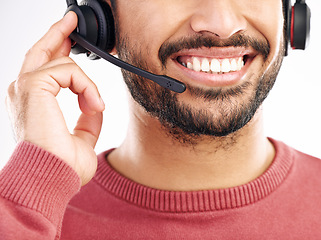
217 112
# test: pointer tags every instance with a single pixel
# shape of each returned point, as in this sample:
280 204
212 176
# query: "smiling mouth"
213 65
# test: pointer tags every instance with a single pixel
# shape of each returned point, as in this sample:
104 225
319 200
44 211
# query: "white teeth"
240 63
233 65
225 66
196 65
214 65
205 65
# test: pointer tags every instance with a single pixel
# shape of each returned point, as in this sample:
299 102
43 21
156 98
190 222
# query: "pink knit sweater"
41 199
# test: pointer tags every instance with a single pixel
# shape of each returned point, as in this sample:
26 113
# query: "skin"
34 110
150 154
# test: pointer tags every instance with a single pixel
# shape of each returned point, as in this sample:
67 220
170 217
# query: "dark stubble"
184 121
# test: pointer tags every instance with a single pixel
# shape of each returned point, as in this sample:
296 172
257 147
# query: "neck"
151 157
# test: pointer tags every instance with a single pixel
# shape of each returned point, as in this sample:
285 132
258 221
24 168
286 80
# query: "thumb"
88 128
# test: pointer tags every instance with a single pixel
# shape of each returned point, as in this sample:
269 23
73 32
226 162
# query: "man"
194 165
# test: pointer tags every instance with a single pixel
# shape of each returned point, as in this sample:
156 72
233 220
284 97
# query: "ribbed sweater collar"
196 201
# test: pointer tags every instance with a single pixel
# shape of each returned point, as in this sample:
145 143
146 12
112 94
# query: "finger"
88 128
46 48
84 107
57 62
64 49
67 75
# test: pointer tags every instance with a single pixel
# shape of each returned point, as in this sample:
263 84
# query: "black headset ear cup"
87 26
105 22
300 25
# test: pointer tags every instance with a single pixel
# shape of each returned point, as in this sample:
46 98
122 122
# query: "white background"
292 111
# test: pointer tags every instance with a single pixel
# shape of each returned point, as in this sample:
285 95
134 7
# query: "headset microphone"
162 80
95 25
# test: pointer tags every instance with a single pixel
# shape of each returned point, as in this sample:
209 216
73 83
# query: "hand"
33 108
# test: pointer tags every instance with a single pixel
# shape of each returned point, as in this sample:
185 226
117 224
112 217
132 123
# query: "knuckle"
10 93
53 27
67 60
29 52
7 101
10 89
21 82
75 67
75 70
38 50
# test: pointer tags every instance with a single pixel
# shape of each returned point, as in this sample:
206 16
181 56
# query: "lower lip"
215 79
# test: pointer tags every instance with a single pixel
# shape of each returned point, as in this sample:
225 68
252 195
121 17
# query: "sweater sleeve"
35 188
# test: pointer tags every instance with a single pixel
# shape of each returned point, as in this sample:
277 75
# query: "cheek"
268 23
140 35
147 30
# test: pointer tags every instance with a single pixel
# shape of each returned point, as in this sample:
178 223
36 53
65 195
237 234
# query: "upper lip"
216 52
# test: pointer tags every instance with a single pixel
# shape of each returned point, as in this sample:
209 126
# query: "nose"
222 18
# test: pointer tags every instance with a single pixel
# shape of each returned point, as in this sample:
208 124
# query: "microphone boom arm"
162 80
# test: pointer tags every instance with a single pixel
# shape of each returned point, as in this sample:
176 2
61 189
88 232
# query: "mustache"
194 42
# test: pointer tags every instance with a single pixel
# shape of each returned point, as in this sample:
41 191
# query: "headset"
297 24
95 35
